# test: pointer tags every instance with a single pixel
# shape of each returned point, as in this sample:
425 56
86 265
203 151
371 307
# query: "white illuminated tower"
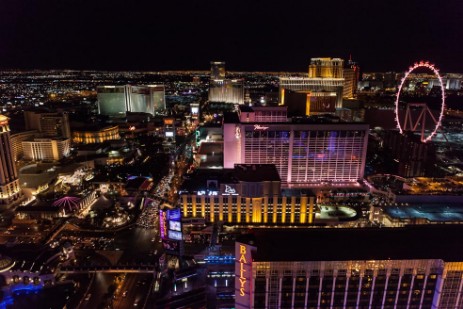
9 183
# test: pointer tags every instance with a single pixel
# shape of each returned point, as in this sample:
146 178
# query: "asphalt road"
97 292
133 292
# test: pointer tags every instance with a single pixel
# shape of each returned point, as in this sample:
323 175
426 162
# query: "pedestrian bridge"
140 269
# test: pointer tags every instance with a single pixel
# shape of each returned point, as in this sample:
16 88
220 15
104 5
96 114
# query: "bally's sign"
243 275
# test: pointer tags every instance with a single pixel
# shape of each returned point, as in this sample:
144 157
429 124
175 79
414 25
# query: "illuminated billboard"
169 134
174 214
174 235
175 226
168 121
163 223
171 246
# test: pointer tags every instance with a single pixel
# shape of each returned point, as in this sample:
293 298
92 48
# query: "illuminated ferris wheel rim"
421 64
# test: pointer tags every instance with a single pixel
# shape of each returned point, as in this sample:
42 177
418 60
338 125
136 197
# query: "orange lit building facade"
246 210
92 136
247 194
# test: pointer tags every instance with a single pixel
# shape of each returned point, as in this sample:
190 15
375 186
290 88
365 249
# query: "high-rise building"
112 100
326 68
9 184
147 99
309 150
413 267
48 124
414 158
320 92
16 142
351 77
46 149
117 100
217 70
226 91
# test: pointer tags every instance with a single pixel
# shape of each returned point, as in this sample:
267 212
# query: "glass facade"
112 100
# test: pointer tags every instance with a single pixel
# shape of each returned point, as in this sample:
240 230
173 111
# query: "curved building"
96 135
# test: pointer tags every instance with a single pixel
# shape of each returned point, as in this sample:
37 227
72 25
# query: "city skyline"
248 37
248 155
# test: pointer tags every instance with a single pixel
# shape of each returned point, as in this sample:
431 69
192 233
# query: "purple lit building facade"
306 151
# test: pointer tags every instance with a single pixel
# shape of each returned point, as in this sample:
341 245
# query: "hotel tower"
9 183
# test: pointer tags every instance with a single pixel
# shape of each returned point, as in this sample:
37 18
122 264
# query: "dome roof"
5 263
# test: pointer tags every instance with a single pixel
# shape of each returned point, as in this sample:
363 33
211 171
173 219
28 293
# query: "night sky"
252 35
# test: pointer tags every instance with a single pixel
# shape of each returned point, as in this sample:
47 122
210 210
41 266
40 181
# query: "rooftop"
232 117
256 172
242 172
413 242
198 179
432 212
210 148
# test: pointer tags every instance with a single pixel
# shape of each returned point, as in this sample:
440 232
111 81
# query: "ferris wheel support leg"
432 116
407 116
423 125
422 115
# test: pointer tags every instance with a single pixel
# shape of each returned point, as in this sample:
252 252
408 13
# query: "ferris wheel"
407 122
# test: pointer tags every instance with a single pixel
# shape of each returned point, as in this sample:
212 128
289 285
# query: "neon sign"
237 132
243 275
258 127
162 223
242 261
229 189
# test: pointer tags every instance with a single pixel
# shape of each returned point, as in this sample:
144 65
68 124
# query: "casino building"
222 89
116 100
246 194
320 92
95 134
413 267
9 183
307 151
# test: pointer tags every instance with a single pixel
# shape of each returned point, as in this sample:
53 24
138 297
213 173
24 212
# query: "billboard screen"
174 214
175 226
174 235
170 245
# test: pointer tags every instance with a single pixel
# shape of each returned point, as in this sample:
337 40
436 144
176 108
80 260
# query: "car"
88 297
124 294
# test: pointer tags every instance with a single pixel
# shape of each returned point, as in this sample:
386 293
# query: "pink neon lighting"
422 64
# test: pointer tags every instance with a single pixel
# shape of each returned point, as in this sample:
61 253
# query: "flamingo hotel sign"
258 127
